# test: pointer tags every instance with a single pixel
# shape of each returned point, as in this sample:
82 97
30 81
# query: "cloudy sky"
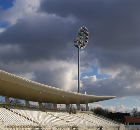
36 43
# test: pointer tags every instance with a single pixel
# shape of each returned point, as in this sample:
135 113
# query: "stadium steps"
70 119
39 117
95 121
32 115
9 118
87 121
57 119
21 115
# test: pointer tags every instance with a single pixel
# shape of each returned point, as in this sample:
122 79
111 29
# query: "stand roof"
17 87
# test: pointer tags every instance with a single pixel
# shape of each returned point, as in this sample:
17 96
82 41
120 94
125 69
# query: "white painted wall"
134 126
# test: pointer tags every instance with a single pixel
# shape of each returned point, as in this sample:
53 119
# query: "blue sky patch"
95 72
5 4
4 24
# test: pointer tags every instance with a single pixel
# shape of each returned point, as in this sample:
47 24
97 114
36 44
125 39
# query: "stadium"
28 117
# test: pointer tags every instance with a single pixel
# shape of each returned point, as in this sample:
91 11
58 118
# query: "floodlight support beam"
78 70
80 44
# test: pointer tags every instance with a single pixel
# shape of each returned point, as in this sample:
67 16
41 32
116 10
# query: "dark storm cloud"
112 24
47 35
38 38
114 60
114 27
42 77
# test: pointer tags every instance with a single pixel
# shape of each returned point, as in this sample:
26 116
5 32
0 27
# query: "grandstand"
16 116
27 117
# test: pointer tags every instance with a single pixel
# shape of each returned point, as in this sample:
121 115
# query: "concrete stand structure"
40 104
55 105
67 106
78 106
7 100
20 88
27 103
87 107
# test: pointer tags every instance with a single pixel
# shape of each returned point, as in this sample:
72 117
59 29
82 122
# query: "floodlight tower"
81 42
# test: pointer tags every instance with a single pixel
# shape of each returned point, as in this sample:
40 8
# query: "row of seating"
34 117
9 118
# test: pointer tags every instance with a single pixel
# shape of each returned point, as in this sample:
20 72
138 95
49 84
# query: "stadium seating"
34 118
9 118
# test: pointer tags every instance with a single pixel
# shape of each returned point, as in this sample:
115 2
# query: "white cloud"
2 30
20 9
137 100
118 108
60 74
89 79
124 98
28 76
33 103
127 80
113 71
128 87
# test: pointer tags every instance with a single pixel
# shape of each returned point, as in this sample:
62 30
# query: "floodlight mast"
81 42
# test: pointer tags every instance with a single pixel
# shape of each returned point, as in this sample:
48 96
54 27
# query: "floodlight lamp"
81 38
